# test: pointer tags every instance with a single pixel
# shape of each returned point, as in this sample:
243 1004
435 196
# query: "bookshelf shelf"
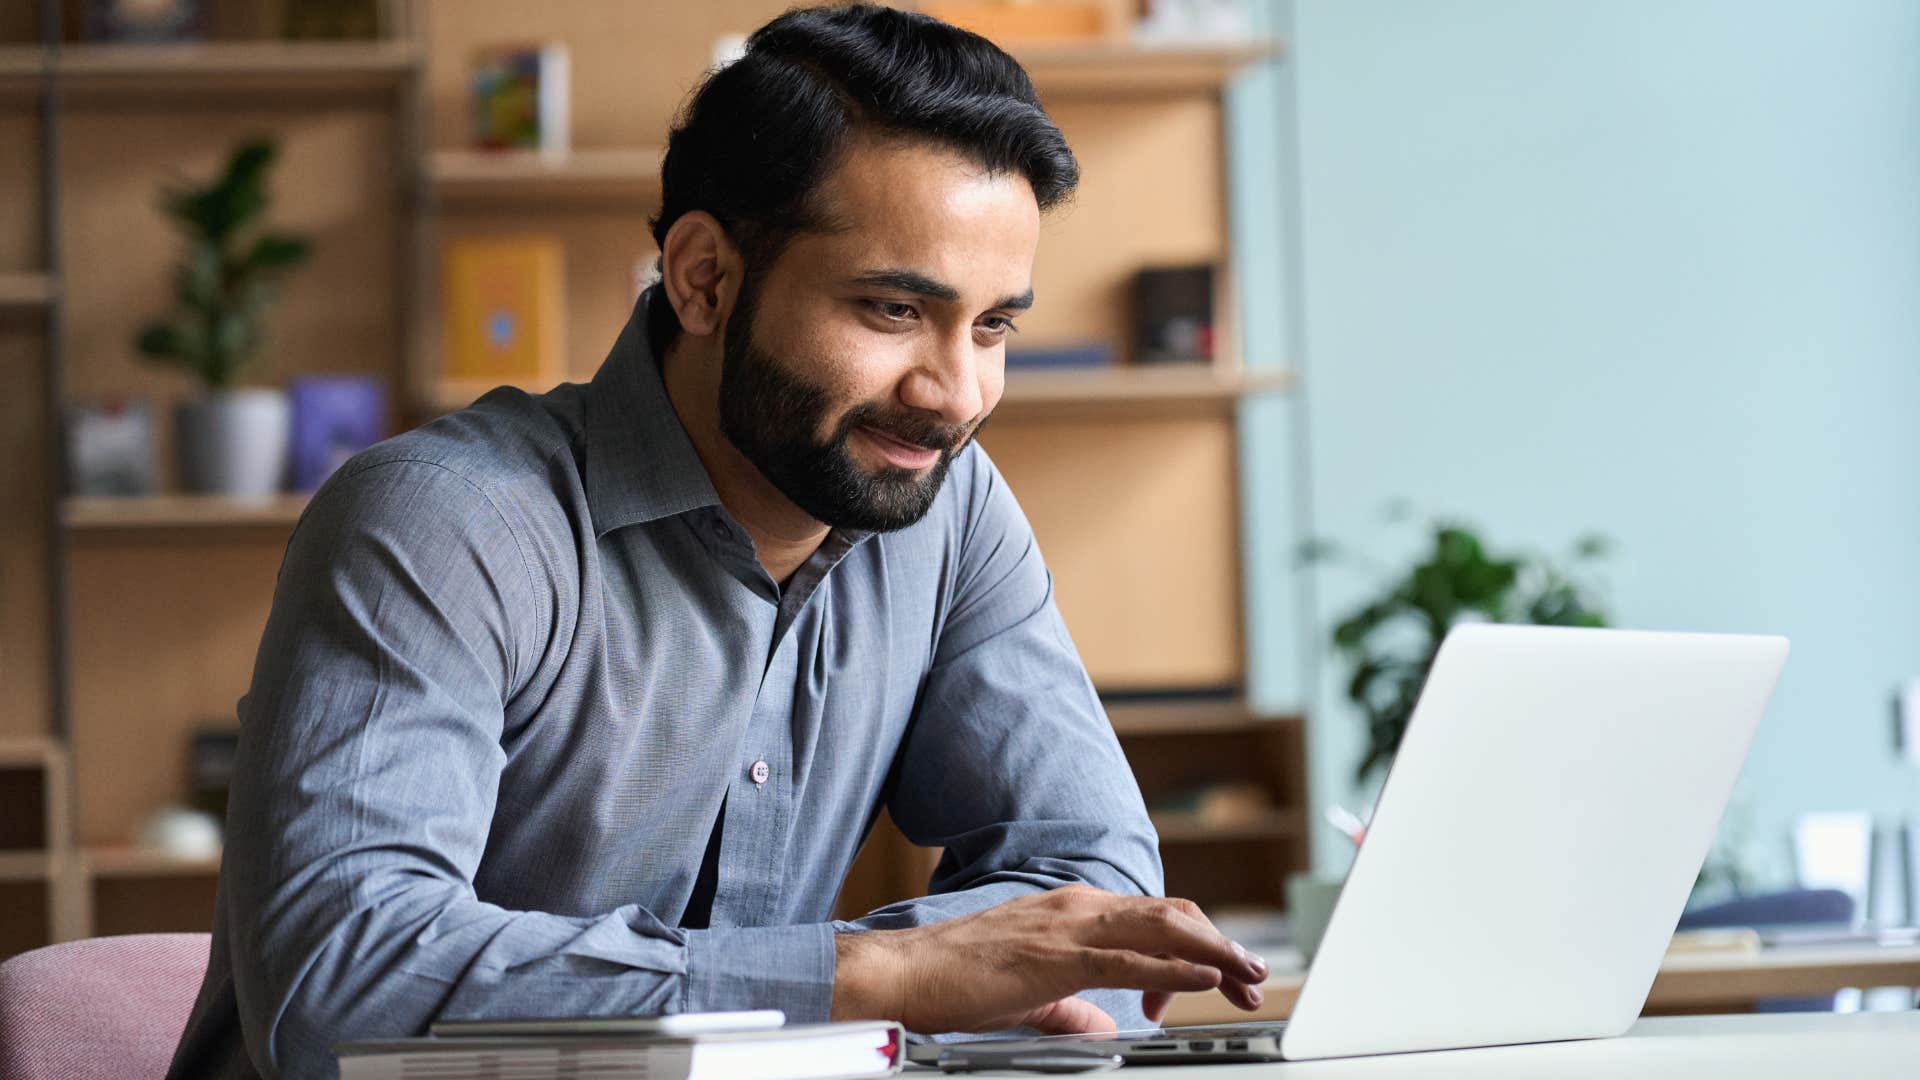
1186 716
227 67
1190 829
27 866
1044 393
587 175
1108 70
88 512
18 752
26 291
129 862
1188 387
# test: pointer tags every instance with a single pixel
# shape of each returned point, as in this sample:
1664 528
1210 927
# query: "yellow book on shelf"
503 312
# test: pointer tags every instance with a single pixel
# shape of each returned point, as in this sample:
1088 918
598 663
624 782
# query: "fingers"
1123 968
1069 1016
1257 964
1152 925
1153 1005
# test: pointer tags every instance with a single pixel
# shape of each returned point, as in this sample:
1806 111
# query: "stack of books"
736 1046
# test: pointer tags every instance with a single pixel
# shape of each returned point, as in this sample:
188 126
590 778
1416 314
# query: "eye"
893 310
998 325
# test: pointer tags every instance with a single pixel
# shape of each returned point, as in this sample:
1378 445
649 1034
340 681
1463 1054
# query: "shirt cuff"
789 968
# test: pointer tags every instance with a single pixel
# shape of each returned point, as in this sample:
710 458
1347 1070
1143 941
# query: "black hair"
755 139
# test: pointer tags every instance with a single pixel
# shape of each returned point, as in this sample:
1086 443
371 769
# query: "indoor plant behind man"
582 703
231 439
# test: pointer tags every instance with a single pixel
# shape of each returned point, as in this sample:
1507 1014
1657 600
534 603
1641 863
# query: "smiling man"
581 704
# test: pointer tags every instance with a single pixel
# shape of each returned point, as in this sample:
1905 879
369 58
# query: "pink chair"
100 1009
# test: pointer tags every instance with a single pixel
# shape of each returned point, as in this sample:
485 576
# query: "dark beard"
770 415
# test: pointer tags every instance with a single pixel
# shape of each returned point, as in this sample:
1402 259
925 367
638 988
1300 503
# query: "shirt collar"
641 466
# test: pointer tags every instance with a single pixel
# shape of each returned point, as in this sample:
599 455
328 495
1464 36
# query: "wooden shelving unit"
1111 70
1190 829
1158 390
26 291
126 862
26 866
113 124
386 174
236 68
589 175
1186 716
97 512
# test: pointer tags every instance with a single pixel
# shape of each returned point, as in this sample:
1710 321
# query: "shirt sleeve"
404 621
1010 763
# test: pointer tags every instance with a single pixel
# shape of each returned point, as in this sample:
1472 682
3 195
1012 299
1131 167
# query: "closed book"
520 98
806 1052
503 309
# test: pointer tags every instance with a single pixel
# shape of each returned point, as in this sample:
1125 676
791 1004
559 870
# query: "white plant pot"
233 442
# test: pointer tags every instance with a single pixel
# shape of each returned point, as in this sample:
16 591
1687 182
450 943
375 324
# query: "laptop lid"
1536 839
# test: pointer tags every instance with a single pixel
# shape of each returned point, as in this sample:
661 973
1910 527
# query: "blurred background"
1369 318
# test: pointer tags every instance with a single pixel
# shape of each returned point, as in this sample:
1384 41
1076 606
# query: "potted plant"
232 440
1390 641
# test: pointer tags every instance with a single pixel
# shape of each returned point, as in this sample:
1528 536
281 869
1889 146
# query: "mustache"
915 429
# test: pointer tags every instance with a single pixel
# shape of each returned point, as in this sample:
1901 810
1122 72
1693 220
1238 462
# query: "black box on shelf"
1173 315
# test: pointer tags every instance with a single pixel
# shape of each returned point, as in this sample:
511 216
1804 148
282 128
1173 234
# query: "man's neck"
784 536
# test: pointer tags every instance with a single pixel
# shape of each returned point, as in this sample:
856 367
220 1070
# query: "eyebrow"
912 281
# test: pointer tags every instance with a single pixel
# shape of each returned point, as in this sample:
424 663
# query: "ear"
701 271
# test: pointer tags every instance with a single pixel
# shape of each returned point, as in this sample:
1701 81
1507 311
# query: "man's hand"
1019 964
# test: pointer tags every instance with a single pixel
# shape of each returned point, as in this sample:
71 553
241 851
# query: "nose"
945 379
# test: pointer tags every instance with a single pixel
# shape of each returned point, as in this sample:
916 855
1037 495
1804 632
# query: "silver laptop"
1530 853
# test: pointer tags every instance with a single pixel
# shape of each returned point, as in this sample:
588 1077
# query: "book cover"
334 418
504 316
803 1052
520 98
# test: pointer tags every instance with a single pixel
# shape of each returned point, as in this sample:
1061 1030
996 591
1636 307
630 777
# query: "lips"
899 452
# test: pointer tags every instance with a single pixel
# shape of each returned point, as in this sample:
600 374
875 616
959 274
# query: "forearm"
429 953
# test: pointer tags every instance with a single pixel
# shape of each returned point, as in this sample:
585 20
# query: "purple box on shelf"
334 418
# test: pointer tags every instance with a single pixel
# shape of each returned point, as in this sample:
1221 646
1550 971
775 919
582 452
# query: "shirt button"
759 772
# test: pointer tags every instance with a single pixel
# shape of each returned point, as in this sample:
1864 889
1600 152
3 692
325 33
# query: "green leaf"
161 340
1593 546
273 251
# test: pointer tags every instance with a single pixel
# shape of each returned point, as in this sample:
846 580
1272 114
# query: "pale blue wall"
1647 268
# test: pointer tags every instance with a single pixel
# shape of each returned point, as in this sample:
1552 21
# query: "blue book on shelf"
1092 355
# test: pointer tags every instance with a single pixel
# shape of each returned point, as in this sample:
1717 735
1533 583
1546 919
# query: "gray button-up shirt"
521 659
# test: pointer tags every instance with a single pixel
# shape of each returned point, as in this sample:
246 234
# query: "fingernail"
1253 960
1253 992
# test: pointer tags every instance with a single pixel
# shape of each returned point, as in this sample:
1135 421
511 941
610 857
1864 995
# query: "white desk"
1700 982
1857 1046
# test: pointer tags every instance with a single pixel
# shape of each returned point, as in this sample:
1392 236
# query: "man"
581 704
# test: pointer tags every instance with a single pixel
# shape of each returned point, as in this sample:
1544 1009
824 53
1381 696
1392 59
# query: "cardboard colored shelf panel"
129 862
1174 716
97 512
235 67
1184 388
1157 389
27 866
25 291
585 175
1121 69
1190 829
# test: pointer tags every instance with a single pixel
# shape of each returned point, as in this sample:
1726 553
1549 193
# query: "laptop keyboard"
1225 1031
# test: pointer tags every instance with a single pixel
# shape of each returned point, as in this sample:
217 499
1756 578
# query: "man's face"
868 354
